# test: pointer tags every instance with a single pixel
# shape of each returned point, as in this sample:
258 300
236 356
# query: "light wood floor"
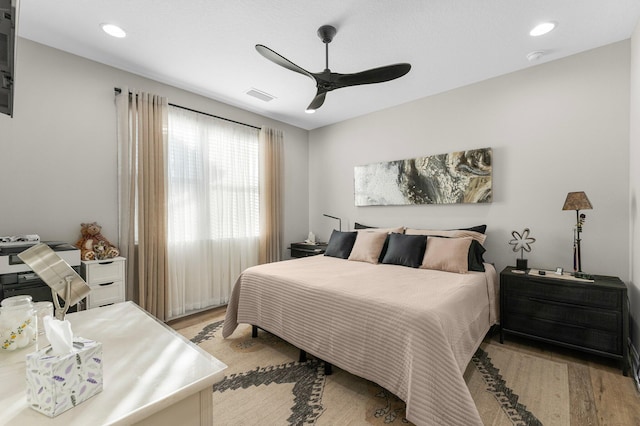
600 395
190 320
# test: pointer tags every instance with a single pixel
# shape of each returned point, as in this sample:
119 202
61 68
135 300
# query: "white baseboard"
635 365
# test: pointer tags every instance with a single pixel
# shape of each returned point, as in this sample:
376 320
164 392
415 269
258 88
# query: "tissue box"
56 383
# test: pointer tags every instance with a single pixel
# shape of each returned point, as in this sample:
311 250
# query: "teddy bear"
93 245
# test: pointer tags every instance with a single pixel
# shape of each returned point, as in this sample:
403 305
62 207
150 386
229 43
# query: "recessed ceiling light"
542 29
113 30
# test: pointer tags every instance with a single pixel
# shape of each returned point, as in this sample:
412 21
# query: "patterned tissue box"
56 383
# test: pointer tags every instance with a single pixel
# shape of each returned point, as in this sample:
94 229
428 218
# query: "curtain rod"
119 90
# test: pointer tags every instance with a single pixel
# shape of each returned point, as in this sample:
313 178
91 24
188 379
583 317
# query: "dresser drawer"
590 338
578 294
104 271
106 293
571 314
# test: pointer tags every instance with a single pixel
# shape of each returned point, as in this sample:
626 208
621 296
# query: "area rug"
266 385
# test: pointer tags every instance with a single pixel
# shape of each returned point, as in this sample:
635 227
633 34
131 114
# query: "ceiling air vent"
259 94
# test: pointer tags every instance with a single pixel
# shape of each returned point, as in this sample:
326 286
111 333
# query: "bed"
409 329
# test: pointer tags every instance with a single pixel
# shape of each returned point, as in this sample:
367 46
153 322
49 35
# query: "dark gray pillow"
340 244
476 256
405 250
479 228
361 226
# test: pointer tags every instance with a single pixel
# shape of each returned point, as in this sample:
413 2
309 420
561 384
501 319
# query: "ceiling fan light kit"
326 80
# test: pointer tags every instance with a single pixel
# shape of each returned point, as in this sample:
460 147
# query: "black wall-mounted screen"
8 20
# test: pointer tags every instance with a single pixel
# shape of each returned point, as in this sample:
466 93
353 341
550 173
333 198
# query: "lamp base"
583 276
521 264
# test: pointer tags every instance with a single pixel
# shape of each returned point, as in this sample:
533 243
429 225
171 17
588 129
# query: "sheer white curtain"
213 202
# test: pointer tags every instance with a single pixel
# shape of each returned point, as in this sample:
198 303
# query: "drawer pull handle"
552 302
105 284
109 262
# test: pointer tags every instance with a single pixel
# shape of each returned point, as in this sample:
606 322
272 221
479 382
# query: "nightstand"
305 250
587 316
106 279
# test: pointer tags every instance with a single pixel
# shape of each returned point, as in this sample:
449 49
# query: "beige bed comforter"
412 331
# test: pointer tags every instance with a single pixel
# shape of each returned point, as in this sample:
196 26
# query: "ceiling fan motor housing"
326 33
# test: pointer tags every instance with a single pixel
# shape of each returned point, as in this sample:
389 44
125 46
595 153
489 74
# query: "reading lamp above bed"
337 218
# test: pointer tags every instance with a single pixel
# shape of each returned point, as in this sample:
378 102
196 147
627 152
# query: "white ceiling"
207 46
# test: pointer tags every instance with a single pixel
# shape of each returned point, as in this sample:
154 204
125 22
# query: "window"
213 178
213 208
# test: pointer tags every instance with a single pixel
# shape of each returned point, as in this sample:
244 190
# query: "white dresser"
106 279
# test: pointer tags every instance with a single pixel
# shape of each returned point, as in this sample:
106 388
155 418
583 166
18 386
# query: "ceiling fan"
326 80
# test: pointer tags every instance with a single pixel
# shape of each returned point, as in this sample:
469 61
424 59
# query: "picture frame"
458 177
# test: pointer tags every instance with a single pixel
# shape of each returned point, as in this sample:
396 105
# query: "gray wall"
634 182
557 127
554 128
58 153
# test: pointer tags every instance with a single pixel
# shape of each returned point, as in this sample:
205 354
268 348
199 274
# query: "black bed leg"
254 331
328 370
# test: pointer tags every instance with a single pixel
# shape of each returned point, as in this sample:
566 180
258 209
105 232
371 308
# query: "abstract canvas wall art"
457 177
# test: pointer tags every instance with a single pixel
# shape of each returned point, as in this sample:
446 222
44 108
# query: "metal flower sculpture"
522 242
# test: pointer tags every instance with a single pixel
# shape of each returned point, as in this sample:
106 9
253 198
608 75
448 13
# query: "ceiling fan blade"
317 101
281 60
326 80
375 75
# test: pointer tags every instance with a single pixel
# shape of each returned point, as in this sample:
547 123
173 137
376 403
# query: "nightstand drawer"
578 294
106 293
105 271
306 250
304 253
570 314
609 342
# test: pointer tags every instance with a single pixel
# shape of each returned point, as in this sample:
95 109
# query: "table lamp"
577 201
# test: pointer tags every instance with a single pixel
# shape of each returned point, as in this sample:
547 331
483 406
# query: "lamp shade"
577 201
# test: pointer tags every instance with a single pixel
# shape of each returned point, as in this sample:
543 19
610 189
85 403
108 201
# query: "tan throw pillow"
368 246
447 254
456 233
398 230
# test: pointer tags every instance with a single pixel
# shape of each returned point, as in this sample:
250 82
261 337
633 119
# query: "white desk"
152 375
